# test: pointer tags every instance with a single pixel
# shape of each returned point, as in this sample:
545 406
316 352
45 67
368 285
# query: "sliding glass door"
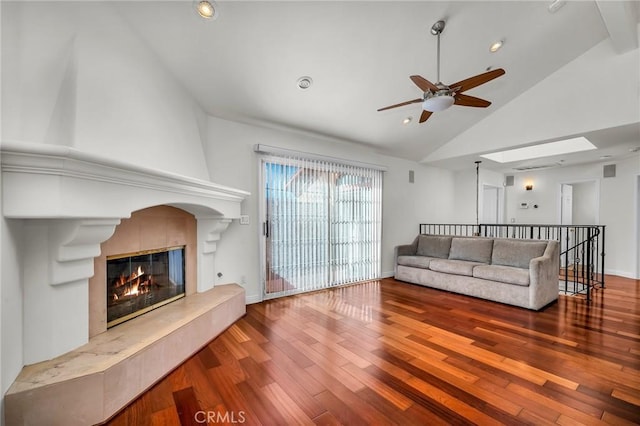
322 224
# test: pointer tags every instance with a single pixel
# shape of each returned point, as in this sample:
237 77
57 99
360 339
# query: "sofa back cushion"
471 249
433 246
517 253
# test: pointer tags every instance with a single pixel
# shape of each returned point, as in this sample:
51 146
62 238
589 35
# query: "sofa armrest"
543 274
404 250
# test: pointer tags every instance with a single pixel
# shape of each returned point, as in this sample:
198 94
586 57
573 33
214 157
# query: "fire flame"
133 291
134 282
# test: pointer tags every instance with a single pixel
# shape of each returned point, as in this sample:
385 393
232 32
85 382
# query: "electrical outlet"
244 219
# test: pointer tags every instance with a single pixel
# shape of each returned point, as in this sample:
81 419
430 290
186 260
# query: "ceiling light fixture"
555 5
496 46
407 120
207 9
304 83
439 101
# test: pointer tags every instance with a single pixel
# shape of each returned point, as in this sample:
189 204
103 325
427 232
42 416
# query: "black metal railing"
581 248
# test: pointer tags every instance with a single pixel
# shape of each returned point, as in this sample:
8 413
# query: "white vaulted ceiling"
360 54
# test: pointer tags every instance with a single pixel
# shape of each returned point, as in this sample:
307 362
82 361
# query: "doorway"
579 205
322 224
491 212
566 204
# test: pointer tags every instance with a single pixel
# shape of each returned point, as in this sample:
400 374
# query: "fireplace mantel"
52 181
70 202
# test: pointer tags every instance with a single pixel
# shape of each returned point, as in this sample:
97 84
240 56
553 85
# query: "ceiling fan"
438 97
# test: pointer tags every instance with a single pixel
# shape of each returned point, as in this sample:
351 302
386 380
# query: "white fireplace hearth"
69 202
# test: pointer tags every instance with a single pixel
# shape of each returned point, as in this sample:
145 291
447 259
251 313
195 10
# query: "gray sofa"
516 272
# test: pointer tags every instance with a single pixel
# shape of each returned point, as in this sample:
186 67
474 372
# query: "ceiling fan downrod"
436 30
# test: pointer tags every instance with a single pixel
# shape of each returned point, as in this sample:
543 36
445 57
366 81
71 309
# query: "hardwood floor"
387 352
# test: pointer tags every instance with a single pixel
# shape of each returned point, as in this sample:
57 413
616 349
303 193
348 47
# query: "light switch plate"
244 219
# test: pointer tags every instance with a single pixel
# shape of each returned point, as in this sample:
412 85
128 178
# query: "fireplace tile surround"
147 229
69 203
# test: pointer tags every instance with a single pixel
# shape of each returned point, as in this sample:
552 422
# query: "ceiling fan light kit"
438 97
437 102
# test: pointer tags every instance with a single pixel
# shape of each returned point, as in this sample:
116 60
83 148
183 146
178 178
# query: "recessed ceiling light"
555 5
407 120
304 83
634 149
604 157
207 9
566 146
496 46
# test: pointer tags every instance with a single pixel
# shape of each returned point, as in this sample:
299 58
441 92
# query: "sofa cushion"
471 249
457 267
517 253
504 274
415 261
433 246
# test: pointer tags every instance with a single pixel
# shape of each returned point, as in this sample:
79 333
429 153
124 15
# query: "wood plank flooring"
387 352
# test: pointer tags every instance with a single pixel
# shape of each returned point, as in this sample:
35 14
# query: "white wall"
615 208
76 74
585 203
465 192
232 162
11 339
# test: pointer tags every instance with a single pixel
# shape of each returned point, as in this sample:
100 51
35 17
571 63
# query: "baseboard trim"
254 298
625 274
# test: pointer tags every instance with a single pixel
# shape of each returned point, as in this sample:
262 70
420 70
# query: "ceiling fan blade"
423 83
477 80
425 116
470 101
415 101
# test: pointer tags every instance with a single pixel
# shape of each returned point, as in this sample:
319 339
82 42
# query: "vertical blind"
323 224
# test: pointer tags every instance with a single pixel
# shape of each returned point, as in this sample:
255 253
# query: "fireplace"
140 282
68 211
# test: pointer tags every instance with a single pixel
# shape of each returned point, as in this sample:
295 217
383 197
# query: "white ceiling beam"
621 20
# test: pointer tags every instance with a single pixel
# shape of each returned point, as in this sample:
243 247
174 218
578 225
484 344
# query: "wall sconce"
528 187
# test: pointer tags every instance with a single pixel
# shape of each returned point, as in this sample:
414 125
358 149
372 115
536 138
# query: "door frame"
500 189
262 217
